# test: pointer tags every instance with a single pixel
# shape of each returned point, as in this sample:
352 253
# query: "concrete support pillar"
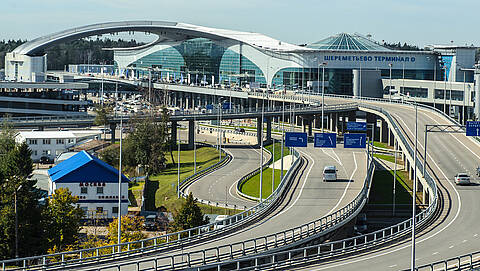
310 130
371 119
352 116
333 122
173 132
391 138
191 134
384 132
113 126
269 130
259 130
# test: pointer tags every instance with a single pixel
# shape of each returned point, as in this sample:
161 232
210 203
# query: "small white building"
53 143
94 182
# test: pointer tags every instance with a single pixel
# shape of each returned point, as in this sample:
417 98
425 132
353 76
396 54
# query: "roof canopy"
83 167
349 42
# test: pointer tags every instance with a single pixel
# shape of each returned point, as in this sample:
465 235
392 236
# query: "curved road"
457 232
308 199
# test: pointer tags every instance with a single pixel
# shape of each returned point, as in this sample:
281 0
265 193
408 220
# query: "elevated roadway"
456 232
308 199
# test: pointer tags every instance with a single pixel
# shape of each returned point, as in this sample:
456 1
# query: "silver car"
329 173
462 178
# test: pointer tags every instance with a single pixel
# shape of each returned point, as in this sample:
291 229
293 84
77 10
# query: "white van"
329 173
222 224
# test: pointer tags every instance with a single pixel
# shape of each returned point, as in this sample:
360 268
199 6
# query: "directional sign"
354 140
293 139
325 140
356 126
473 128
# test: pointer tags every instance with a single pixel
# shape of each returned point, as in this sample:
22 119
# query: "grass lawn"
382 145
382 188
252 186
389 158
161 189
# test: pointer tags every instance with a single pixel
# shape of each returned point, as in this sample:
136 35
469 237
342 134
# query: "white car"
329 173
462 178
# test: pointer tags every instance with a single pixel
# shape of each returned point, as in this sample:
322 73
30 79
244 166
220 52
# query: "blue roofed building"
94 182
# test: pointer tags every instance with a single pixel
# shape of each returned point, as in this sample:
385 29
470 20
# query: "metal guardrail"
470 261
244 179
217 256
147 245
283 259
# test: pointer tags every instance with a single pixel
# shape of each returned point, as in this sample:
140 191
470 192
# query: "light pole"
178 161
261 148
445 90
395 177
414 192
390 87
119 237
273 165
323 90
283 133
16 220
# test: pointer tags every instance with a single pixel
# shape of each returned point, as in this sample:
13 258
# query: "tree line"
82 51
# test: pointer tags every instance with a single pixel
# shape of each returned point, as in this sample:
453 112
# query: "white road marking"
419 241
346 187
391 266
464 241
336 158
301 189
475 235
435 253
451 246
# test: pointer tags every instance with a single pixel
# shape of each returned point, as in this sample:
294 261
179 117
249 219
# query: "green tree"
148 143
189 216
102 115
16 169
61 219
131 229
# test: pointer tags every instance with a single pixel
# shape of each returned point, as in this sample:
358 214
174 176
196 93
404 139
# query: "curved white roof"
167 31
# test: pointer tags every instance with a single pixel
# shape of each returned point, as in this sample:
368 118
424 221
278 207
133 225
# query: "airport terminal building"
195 54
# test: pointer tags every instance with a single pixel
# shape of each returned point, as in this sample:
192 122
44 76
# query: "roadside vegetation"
252 186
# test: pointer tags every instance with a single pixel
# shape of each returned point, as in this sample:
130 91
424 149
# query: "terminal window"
414 92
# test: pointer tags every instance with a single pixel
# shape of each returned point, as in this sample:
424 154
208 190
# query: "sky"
417 22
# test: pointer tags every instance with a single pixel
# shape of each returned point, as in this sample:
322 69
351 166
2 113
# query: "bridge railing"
171 240
470 261
351 245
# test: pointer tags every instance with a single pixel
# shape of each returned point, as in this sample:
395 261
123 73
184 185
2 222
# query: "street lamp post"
414 192
283 134
178 162
323 91
261 148
390 87
16 220
119 237
445 91
273 165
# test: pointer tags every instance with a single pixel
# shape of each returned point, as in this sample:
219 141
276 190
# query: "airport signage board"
294 139
356 126
325 140
473 128
358 141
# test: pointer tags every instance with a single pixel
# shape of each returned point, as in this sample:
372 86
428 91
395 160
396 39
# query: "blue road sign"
325 140
354 140
293 139
356 126
473 128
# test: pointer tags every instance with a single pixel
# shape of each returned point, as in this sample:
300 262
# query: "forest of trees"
75 52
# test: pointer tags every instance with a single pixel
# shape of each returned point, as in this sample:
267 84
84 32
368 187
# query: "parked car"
462 179
151 223
329 173
45 160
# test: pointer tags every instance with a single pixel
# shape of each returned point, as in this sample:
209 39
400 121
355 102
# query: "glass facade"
414 92
201 59
206 61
